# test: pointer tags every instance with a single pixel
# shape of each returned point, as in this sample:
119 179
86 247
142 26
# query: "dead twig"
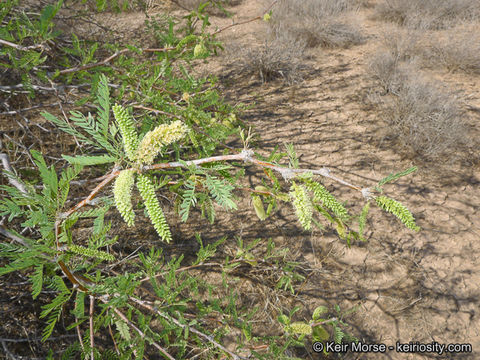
11 179
90 66
259 17
24 48
92 343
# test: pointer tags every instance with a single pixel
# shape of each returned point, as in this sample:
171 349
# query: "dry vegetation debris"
457 49
426 117
428 14
323 23
293 27
278 57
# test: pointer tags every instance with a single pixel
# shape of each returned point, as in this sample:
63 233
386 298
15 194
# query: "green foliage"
363 219
178 117
37 281
396 176
89 252
99 133
53 310
316 328
22 29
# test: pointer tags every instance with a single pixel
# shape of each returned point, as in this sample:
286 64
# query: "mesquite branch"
245 155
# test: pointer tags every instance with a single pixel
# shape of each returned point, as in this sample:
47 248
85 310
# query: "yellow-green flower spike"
98 254
328 200
127 129
299 328
122 193
200 50
155 212
303 205
154 140
399 210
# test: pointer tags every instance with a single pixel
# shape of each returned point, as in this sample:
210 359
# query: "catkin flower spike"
303 205
127 129
399 210
321 194
154 140
155 212
122 193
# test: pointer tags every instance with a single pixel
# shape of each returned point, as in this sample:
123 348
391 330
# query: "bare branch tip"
367 193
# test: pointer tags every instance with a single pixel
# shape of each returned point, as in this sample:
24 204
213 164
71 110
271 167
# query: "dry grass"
454 49
426 118
428 14
457 50
326 23
279 57
398 46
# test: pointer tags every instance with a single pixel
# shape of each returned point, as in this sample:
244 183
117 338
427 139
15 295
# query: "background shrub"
280 56
427 14
323 23
425 117
455 50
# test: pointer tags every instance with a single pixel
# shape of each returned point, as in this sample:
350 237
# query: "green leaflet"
189 199
37 281
155 212
127 129
393 177
123 329
122 192
103 113
399 210
221 192
89 160
302 204
338 334
48 175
